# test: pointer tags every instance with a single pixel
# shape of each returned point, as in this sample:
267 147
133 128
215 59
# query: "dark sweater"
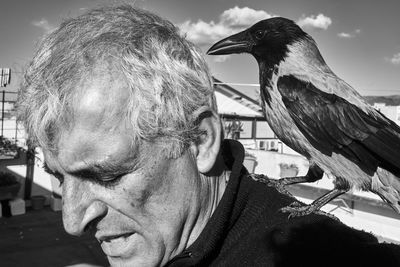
247 229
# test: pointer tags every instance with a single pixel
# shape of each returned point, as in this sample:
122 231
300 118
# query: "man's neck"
213 187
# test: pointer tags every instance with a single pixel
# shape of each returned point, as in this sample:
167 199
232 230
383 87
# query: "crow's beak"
234 44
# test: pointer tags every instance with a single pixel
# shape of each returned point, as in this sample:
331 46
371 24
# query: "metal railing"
9 126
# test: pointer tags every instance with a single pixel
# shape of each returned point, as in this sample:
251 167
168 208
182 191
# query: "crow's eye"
259 34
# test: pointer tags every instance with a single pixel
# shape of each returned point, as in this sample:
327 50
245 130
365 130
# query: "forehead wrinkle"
91 149
103 147
114 161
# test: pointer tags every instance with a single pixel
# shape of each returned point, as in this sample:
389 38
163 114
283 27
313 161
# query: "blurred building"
5 77
391 112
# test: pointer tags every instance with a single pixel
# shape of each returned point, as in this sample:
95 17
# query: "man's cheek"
139 199
139 190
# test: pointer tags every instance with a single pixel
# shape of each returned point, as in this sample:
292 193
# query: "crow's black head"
267 40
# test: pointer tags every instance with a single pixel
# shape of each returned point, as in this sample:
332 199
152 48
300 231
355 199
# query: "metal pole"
2 113
16 131
30 167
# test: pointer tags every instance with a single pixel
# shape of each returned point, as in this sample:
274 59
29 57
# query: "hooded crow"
319 115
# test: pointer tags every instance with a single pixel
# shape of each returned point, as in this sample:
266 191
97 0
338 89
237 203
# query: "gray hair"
169 83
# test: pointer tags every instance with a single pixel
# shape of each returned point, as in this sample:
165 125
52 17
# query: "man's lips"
117 245
109 238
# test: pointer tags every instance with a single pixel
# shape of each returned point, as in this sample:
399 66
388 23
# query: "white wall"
268 162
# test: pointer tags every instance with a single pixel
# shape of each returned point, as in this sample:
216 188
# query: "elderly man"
124 111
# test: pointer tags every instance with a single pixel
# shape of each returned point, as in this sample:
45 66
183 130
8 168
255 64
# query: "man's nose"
80 205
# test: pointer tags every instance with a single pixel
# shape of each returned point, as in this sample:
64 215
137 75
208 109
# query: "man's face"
140 204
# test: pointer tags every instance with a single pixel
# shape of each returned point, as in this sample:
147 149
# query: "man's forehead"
99 101
97 106
81 146
100 95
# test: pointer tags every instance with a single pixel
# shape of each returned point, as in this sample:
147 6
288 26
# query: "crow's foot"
279 184
297 209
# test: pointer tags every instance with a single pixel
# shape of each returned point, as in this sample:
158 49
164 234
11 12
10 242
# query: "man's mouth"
112 238
121 245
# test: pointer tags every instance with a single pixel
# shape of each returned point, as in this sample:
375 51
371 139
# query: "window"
247 128
263 130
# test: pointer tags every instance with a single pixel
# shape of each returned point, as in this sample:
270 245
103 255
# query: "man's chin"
135 254
135 260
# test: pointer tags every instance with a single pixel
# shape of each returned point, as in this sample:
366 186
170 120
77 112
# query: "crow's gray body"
319 115
344 171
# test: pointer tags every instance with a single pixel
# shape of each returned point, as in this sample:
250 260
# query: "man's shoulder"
305 240
272 201
317 240
260 190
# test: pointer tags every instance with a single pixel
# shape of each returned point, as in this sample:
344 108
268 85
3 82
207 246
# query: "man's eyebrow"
101 170
105 170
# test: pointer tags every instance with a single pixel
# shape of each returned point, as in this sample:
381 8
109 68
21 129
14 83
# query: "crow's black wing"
332 124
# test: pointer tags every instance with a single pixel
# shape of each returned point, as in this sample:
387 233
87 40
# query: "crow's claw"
276 183
296 209
280 186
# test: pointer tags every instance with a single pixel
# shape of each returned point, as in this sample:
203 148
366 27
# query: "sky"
359 39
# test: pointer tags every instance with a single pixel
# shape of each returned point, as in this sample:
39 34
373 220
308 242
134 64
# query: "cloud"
395 59
236 19
242 17
202 32
347 35
315 22
43 24
230 21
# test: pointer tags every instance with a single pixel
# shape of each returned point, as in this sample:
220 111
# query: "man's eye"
110 181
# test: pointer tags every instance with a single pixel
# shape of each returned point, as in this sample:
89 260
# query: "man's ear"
207 148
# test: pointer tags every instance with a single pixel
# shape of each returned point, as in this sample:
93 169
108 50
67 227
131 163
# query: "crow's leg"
270 182
314 173
300 209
